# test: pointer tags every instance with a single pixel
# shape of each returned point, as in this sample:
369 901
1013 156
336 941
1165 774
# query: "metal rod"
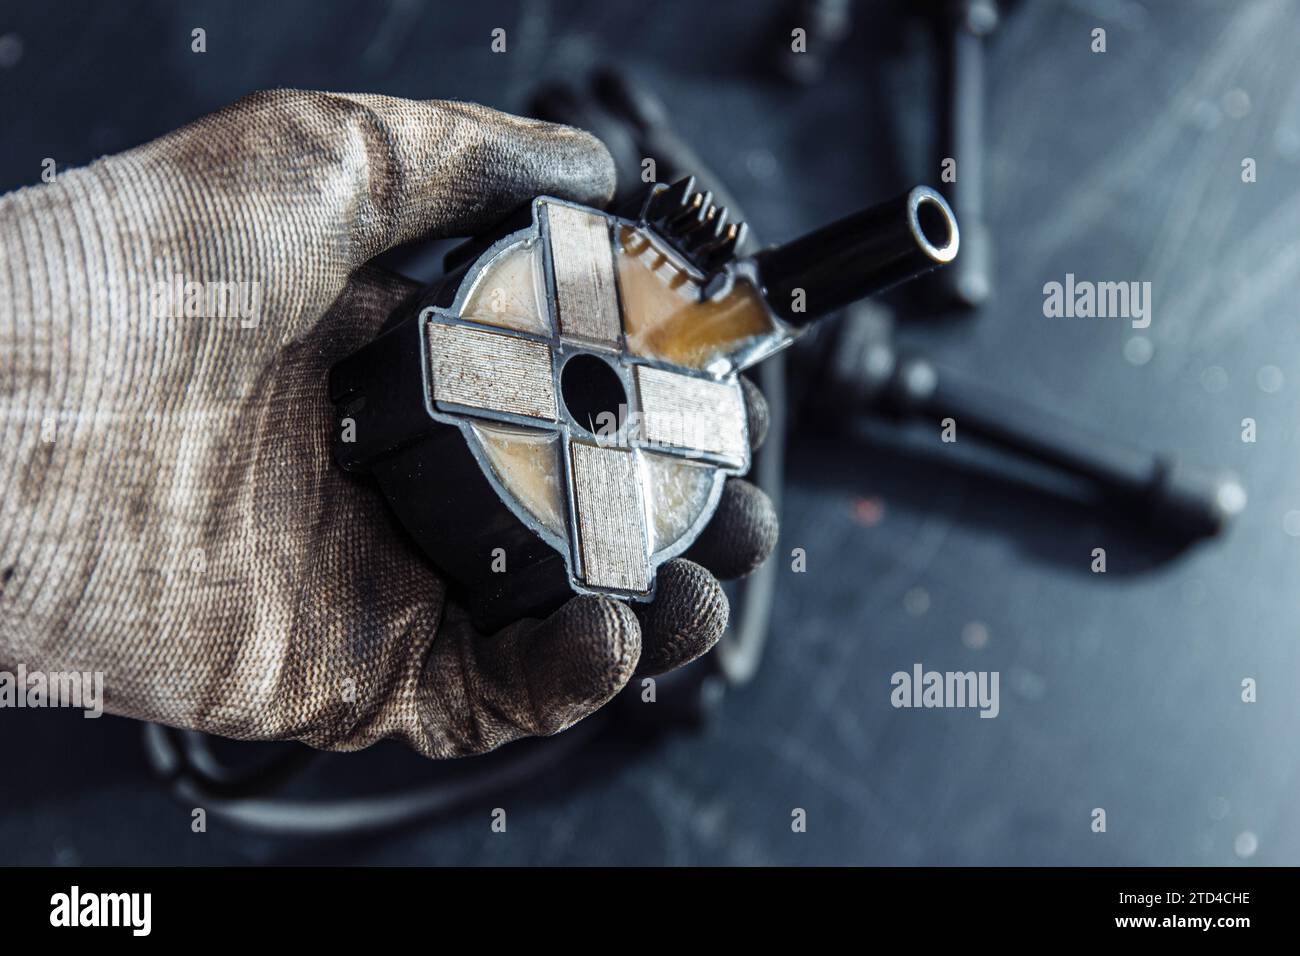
858 256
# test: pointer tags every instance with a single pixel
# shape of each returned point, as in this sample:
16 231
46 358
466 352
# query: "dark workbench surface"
1119 691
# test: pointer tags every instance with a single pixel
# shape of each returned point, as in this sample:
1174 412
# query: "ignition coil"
559 412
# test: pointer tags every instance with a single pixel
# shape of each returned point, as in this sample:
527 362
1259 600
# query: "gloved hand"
171 514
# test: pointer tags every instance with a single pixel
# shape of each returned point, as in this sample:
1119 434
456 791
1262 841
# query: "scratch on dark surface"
1199 218
393 29
849 787
1127 13
1218 307
914 561
686 821
530 45
1188 206
1095 195
850 732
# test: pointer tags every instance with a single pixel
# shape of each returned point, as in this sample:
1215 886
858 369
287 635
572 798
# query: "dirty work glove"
171 514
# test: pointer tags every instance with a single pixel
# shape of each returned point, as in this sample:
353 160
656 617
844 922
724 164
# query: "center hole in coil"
591 391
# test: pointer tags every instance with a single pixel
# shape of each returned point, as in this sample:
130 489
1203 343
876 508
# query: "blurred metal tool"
857 365
964 25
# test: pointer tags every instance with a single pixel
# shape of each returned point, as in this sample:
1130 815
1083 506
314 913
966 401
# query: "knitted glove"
172 517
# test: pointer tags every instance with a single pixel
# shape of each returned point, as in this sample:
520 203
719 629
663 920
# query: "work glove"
171 514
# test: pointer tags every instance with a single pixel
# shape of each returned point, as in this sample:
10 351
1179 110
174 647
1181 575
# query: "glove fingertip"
741 535
757 414
579 658
686 618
